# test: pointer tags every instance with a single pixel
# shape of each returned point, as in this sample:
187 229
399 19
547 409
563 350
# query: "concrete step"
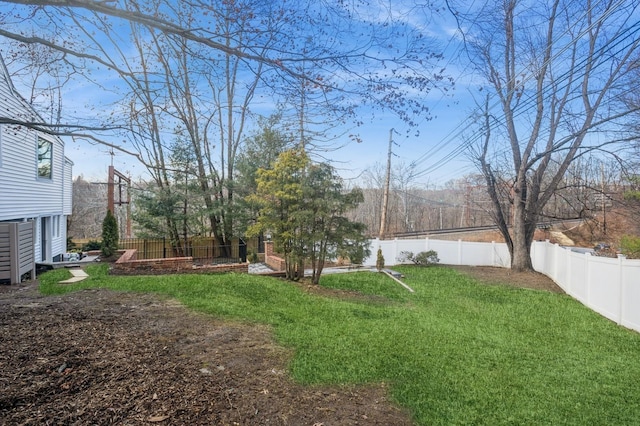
77 275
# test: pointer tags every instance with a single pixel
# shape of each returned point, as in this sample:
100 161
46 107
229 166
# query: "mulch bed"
102 357
505 276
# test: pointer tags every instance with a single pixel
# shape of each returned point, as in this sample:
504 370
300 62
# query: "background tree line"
590 190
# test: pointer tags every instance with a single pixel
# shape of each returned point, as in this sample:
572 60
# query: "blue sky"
433 146
410 144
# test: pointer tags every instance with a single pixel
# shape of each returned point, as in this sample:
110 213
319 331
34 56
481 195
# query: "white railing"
610 287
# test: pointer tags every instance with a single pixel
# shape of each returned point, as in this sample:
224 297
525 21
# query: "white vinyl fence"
610 287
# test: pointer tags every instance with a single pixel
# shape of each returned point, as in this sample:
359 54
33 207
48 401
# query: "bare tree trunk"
521 249
552 92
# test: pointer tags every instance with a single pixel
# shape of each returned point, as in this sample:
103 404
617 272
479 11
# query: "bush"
380 260
354 251
253 257
405 257
424 258
630 246
92 245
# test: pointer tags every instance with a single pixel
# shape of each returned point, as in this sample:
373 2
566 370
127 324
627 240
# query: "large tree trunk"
521 260
521 242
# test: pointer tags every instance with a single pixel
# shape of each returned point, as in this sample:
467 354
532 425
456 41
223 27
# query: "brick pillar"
268 248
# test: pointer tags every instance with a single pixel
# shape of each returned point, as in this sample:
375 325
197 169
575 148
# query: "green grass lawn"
454 352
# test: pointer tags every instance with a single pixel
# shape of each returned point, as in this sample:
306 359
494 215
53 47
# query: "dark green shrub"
355 250
109 235
92 245
426 258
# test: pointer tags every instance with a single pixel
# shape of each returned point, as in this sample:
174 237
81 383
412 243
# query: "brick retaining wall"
271 259
127 264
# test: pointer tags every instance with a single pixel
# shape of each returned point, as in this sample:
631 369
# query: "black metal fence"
202 250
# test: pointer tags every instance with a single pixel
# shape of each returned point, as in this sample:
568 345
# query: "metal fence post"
242 250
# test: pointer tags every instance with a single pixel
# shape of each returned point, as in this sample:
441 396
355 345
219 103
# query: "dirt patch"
505 276
306 286
102 357
619 222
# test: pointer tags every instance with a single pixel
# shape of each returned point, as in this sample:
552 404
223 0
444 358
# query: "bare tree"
554 71
89 209
420 208
371 61
203 69
43 70
404 179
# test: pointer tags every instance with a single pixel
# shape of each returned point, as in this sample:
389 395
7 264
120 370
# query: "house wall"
24 195
67 188
16 255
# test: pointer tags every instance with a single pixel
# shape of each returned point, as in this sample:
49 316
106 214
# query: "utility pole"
111 196
110 183
385 196
604 202
110 190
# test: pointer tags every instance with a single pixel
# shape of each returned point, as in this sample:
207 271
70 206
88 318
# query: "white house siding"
67 187
59 239
23 195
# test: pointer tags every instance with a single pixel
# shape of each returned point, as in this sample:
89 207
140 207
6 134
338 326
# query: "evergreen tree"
109 235
304 206
259 152
379 260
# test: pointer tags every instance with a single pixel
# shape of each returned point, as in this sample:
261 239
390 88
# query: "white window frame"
56 226
39 159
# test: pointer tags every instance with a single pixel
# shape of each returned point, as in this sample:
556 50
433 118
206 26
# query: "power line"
462 147
523 106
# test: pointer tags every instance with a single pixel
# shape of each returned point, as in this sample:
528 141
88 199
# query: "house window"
45 158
